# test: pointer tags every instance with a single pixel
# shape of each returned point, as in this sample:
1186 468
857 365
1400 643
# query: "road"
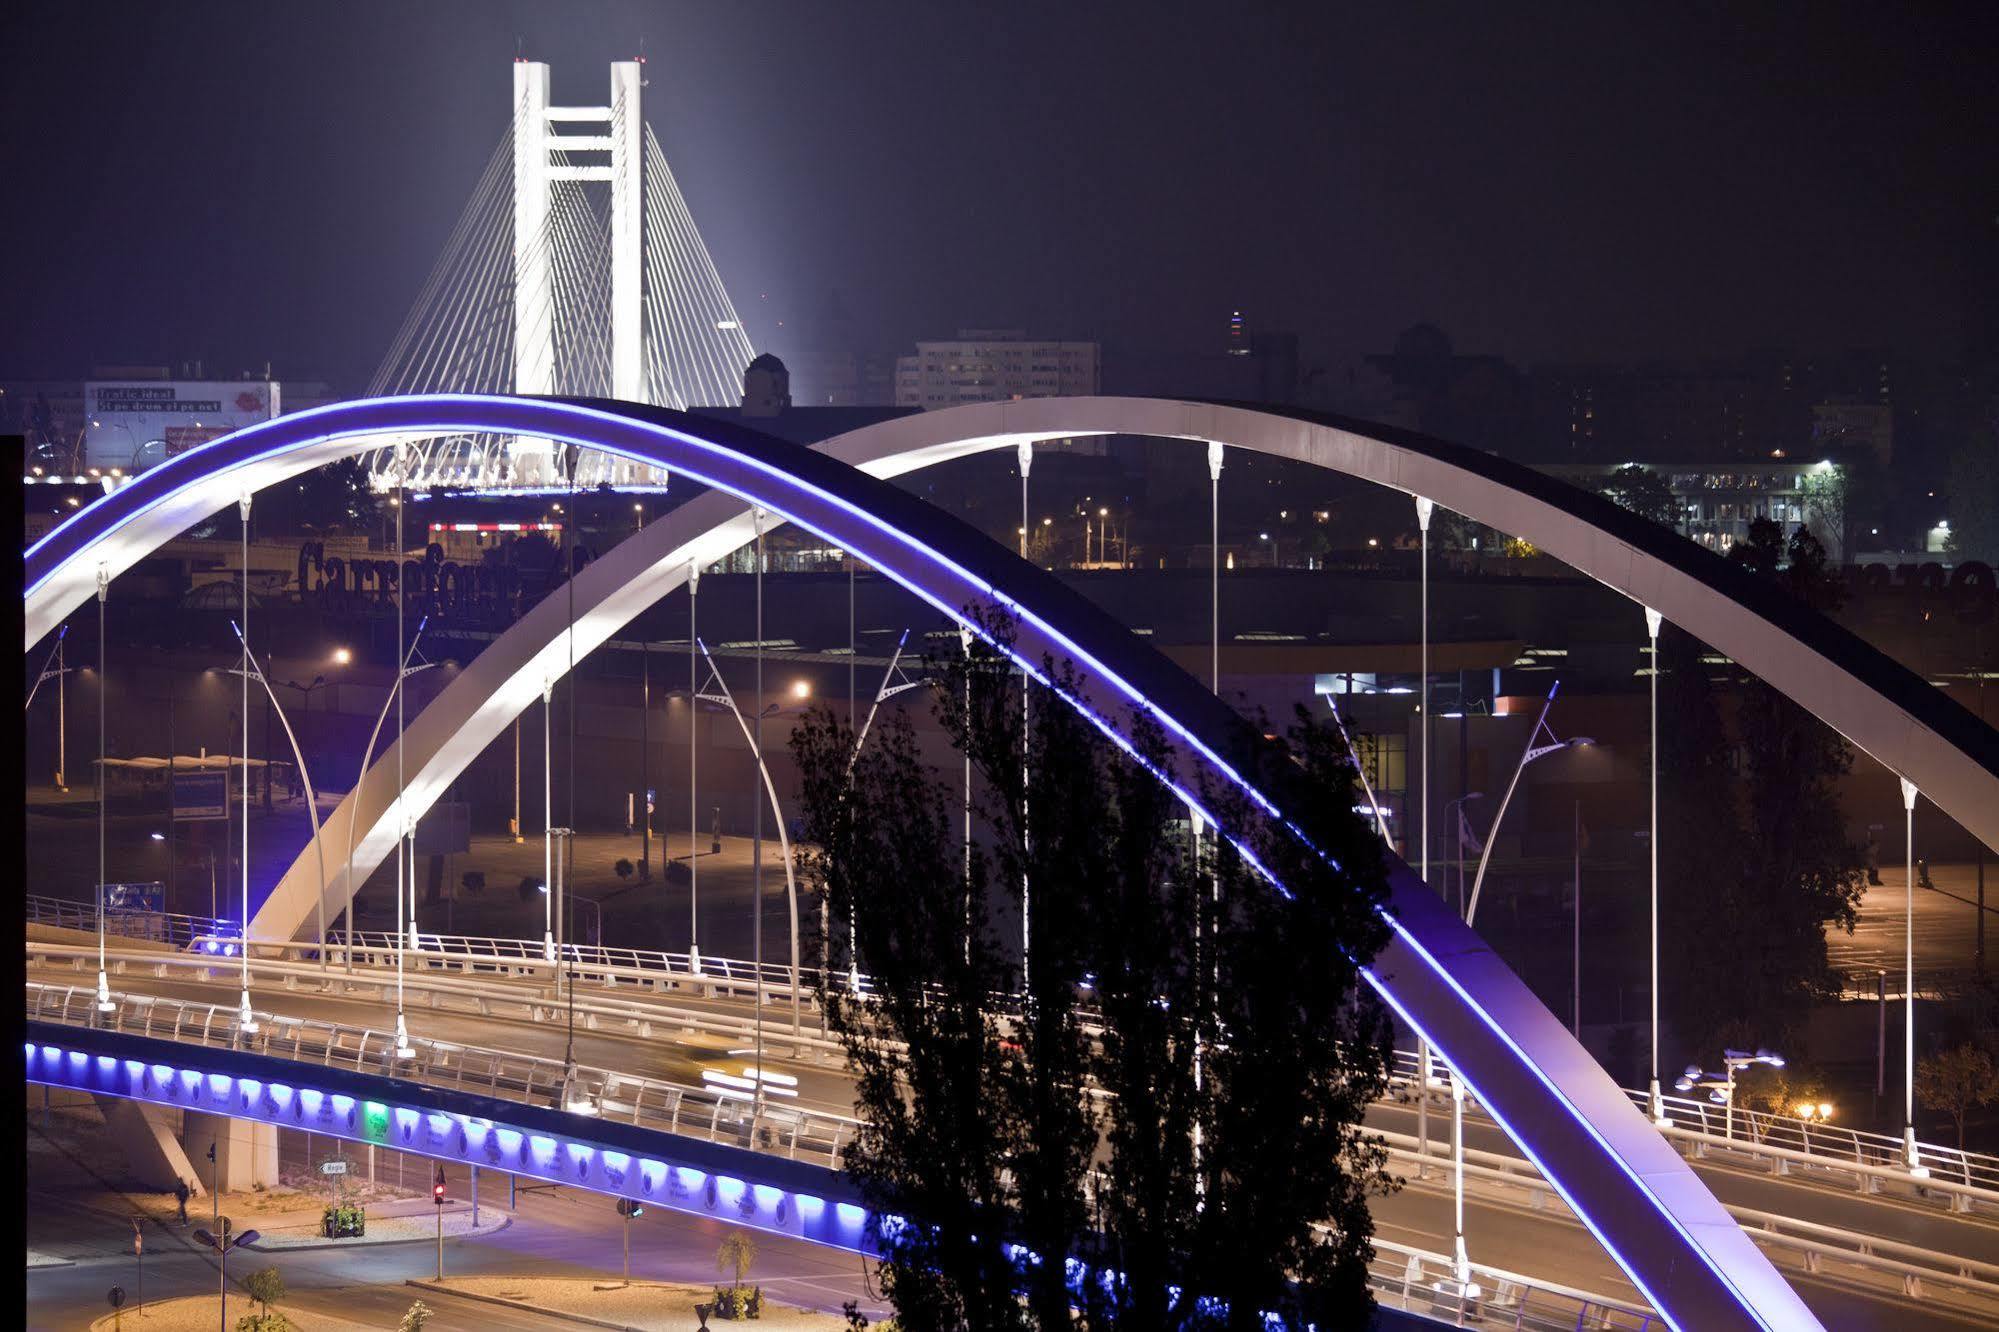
1533 1243
1946 928
554 1232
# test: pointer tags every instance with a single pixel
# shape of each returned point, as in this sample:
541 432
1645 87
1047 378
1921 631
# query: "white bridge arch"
1884 709
1630 1188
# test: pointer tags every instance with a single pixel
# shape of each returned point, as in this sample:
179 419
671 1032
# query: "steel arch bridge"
1627 1185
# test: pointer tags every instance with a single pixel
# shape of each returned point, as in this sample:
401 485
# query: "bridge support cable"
545 275
708 323
483 231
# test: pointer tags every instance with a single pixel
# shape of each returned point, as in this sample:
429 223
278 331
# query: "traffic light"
630 1207
437 1188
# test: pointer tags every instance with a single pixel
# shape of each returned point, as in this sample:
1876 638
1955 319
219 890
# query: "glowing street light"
1532 752
1721 1087
343 656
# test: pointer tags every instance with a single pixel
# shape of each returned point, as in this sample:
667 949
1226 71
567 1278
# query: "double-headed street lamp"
1721 1086
55 668
225 1244
1537 747
256 672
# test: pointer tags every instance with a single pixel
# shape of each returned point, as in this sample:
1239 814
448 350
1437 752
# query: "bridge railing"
167 927
1701 1128
1698 1126
713 1114
735 972
1920 1271
1423 1282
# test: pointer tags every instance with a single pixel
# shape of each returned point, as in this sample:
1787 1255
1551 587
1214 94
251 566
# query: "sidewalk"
643 1306
198 1313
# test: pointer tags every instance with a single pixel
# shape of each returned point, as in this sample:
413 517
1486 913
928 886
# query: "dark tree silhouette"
1190 1043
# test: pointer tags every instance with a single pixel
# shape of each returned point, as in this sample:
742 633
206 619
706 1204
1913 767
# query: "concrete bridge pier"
246 1152
151 1138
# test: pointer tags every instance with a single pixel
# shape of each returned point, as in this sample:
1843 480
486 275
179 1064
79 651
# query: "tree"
1957 1081
734 1255
1643 491
1237 1048
266 1286
1754 859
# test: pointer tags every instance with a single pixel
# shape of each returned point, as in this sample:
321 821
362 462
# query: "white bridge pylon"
575 269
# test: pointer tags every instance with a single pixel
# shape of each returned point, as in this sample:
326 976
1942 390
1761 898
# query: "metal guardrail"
712 1115
458 992
1699 1128
1422 1282
158 926
1817 1248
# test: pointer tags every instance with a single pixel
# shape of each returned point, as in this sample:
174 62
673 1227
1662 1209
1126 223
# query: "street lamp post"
724 698
1454 818
1911 1157
104 1004
224 1243
1527 756
1653 622
693 785
56 667
403 673
305 780
1721 1089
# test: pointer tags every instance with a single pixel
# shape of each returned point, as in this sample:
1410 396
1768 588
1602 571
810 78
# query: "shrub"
414 1320
266 1286
263 1322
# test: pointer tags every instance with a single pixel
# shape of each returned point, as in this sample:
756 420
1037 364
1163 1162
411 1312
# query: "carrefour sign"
138 424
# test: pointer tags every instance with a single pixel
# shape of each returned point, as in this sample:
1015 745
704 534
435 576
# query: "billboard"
200 795
135 424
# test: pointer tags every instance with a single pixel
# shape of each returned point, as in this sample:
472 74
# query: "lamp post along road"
104 1004
1653 621
305 780
55 668
403 672
724 698
1911 1157
246 1019
693 785
1527 756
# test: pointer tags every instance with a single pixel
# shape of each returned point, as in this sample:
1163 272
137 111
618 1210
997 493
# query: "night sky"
252 182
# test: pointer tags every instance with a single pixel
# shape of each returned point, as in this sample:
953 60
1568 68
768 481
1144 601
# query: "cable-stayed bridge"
575 268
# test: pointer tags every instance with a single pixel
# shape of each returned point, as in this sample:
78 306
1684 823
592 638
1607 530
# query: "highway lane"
1743 1183
1518 1239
